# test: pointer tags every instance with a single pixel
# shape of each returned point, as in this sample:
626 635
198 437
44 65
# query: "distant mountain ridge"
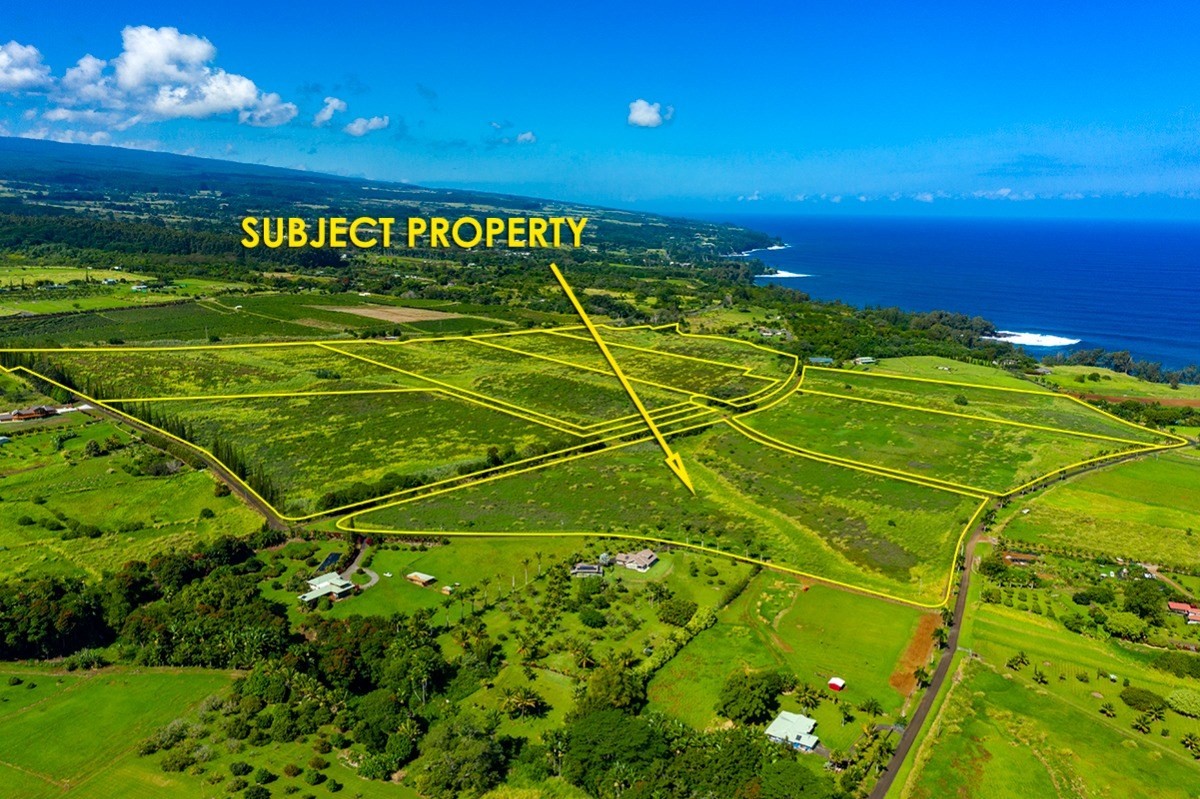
211 194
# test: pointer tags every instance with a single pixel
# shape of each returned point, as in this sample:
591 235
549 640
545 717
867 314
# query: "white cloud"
86 83
649 115
164 74
21 68
331 107
155 56
526 138
362 126
69 136
753 197
84 116
923 197
270 112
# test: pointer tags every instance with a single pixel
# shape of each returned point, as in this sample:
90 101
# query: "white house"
331 585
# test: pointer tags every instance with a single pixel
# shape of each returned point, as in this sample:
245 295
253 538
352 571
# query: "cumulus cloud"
21 68
752 197
160 74
643 114
332 106
69 136
362 126
526 138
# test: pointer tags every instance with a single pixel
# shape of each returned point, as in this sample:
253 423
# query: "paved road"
939 675
356 565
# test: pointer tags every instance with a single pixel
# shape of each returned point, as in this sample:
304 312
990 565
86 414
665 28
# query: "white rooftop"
791 727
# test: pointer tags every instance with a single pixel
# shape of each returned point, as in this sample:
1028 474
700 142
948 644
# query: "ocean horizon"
1048 285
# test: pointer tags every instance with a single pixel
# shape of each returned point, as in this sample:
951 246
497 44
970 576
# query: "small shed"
420 578
837 684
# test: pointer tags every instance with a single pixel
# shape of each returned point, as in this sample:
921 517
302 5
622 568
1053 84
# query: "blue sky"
1022 107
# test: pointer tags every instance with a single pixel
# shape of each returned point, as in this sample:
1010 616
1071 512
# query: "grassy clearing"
840 523
1001 735
815 632
996 458
50 483
83 729
1044 410
1145 510
724 350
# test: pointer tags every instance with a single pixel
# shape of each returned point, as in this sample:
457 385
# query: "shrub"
207 513
292 770
1143 699
592 618
177 760
677 611
262 776
319 763
1185 702
257 792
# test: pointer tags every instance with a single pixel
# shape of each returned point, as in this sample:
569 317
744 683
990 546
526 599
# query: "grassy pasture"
1116 384
311 445
815 632
1141 510
48 480
1000 735
79 735
932 367
723 350
722 382
996 458
1044 410
843 524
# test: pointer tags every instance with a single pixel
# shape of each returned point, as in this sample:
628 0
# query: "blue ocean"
1052 285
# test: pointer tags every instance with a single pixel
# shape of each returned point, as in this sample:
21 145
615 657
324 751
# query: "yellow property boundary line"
551 459
347 524
1053 394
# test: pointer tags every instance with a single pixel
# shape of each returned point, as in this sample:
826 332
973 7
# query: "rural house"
794 730
420 578
638 561
332 585
587 570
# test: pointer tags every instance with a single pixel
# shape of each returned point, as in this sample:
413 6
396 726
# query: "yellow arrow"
673 460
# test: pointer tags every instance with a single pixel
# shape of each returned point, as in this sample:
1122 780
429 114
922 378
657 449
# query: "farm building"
865 361
420 578
1020 559
837 684
638 561
331 585
821 360
587 570
24 414
794 730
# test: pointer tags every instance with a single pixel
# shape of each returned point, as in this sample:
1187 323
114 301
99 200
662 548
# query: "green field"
839 523
1040 409
1115 384
814 632
1002 735
933 368
77 734
1146 510
310 446
53 492
983 455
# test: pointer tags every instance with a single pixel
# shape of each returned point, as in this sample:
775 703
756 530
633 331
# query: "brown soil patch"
916 655
389 313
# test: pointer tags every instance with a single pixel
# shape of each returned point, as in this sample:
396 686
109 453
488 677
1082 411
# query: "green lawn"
934 368
1144 510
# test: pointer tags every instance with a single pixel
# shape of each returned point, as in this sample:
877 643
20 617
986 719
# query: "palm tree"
1107 709
1142 723
923 676
947 617
485 582
518 702
847 713
871 707
538 555
1191 742
941 636
525 563
808 697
